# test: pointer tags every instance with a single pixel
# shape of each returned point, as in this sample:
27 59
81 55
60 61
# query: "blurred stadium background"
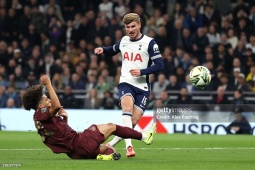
57 38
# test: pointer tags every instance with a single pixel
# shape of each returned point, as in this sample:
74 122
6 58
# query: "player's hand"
135 72
62 112
98 50
45 80
38 125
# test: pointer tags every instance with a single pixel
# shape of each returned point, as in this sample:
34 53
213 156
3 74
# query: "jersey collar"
137 39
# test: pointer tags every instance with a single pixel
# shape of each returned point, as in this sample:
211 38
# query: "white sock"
115 140
144 136
127 122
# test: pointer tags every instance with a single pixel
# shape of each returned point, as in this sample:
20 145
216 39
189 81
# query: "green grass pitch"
167 152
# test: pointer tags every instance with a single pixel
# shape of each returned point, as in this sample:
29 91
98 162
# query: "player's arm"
110 51
63 114
156 57
55 103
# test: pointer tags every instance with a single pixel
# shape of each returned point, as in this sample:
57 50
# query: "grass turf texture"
177 151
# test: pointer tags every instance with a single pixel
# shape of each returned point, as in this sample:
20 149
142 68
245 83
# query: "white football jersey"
137 54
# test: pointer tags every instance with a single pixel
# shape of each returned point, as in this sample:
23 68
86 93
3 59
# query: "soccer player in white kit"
140 57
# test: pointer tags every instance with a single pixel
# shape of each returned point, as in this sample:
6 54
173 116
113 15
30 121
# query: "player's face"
45 101
133 30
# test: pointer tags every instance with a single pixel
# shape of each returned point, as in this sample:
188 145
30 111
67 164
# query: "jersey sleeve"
42 114
112 50
155 57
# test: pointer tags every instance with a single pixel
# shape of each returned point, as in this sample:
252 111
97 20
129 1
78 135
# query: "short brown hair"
130 17
32 97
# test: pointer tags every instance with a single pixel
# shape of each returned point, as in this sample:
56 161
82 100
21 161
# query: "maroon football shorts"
86 144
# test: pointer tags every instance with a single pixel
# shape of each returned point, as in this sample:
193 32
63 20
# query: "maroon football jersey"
55 132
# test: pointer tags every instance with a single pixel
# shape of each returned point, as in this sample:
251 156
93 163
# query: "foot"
149 134
130 152
113 156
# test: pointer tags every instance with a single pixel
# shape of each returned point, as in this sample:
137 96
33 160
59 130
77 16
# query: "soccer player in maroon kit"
51 122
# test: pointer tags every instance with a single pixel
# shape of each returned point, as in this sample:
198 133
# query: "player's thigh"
126 97
127 103
106 129
139 106
141 100
86 144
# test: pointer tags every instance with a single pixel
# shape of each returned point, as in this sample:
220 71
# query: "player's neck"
139 35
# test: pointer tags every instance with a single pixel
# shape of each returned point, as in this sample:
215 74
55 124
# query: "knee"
127 109
127 104
112 127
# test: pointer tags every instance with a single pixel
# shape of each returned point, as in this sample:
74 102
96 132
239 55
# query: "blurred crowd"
57 38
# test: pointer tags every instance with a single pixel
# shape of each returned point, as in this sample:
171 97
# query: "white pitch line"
196 148
41 149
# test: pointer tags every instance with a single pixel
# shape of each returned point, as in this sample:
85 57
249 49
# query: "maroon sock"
126 132
108 151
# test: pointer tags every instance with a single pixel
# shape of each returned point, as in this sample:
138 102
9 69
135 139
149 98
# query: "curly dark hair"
32 97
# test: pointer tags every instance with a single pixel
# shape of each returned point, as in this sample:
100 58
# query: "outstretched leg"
111 129
127 105
124 132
